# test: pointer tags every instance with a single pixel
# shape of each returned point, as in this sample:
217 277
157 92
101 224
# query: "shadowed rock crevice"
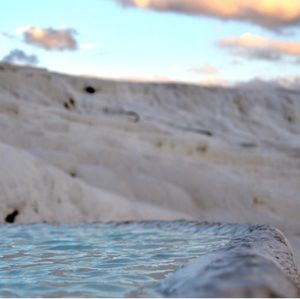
10 218
89 89
132 115
70 103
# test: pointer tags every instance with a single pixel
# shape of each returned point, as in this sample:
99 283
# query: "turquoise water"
99 260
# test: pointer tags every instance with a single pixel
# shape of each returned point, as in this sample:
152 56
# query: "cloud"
255 46
271 14
213 80
205 69
209 75
7 35
19 56
50 39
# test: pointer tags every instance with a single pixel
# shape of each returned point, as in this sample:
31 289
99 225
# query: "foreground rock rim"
257 263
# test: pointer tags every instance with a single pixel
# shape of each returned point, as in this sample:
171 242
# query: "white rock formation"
147 151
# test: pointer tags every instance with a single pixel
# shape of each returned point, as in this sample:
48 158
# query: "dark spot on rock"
133 116
2 68
10 218
90 89
73 174
280 238
205 132
72 102
36 210
272 294
290 119
159 143
201 148
248 144
66 105
198 131
257 200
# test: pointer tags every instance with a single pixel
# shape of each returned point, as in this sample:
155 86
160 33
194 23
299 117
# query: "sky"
196 41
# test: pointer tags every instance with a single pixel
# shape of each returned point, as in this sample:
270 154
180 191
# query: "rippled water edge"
142 259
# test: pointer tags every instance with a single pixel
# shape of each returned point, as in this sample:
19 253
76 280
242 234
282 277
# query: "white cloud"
49 38
205 69
271 14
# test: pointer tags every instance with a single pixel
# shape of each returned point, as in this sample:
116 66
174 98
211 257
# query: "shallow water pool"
99 260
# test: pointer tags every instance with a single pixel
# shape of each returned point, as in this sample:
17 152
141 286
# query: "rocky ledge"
258 264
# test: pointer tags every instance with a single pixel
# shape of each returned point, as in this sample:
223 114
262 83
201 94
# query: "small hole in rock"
205 132
73 174
133 116
90 89
10 218
72 102
66 105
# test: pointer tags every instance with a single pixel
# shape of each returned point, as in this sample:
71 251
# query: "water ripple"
99 260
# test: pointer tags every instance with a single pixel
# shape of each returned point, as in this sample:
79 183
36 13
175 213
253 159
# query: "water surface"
99 260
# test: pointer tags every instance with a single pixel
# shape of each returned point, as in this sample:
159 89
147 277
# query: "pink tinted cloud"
50 39
259 47
271 14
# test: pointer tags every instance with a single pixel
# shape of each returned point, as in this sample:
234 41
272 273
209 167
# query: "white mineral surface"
136 151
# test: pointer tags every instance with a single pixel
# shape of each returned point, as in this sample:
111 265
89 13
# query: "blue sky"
130 42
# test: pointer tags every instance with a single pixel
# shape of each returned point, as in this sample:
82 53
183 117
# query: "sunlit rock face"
107 150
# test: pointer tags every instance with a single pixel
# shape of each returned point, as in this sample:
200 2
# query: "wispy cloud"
50 39
7 35
208 74
205 69
19 56
214 81
258 47
271 14
88 46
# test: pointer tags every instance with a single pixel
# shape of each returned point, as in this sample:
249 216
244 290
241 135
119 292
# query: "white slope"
42 193
147 151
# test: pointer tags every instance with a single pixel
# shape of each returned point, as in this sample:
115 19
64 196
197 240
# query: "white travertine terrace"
136 151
